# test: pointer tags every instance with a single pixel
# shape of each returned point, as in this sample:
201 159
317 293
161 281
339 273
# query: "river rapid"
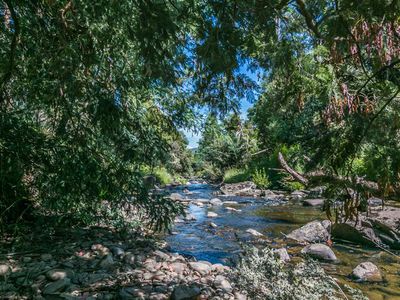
218 239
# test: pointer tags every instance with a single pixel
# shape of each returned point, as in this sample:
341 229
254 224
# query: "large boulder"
312 232
380 229
319 251
367 271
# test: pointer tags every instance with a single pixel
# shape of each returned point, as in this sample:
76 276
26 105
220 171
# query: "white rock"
319 251
162 255
211 214
367 271
213 225
232 209
215 201
254 232
310 233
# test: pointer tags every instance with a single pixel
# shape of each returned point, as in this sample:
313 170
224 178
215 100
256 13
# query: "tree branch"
308 18
299 177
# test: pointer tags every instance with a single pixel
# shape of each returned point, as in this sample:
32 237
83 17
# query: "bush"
236 175
162 175
260 178
292 185
265 277
180 179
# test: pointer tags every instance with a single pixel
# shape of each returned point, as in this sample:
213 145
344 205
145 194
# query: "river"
221 242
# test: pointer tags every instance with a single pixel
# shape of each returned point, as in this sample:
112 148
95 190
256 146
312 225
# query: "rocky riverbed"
97 263
194 260
218 223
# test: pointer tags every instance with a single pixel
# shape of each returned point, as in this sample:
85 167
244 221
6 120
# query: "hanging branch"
321 177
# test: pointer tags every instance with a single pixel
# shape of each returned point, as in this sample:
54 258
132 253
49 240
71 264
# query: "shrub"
162 175
292 185
265 277
236 175
180 179
260 178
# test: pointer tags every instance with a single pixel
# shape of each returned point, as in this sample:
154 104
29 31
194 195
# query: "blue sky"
194 137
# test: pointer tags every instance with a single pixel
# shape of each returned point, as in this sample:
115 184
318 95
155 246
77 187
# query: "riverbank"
99 263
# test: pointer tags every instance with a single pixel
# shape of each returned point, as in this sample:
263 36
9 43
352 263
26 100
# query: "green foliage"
180 179
236 175
292 185
91 92
226 145
264 277
209 172
260 178
162 176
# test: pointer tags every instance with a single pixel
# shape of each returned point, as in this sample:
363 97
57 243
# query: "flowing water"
273 218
